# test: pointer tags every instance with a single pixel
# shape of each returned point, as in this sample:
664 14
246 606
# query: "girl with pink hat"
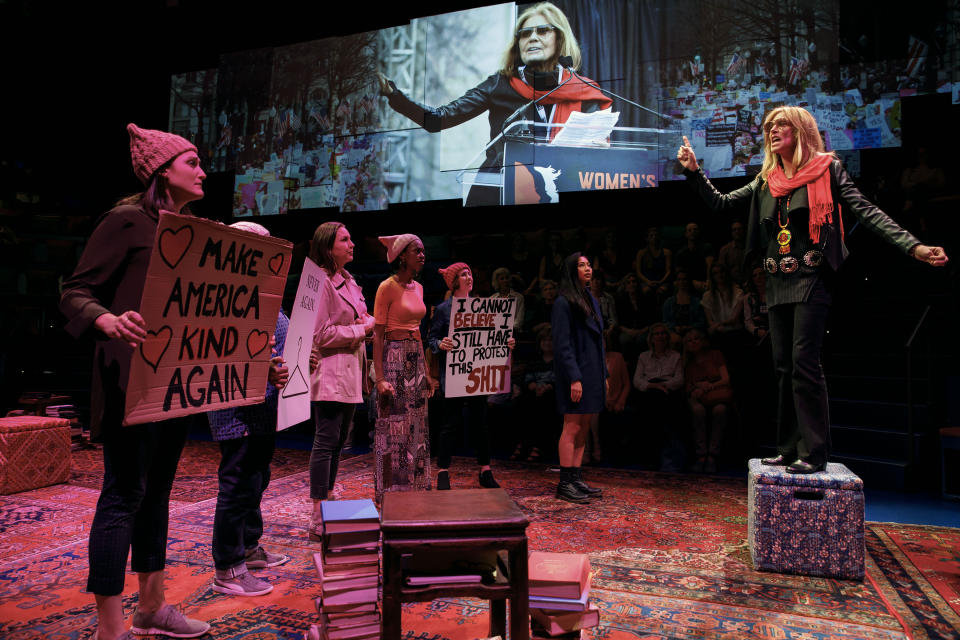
101 298
459 280
401 445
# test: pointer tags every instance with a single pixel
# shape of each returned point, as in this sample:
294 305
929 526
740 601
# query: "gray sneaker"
260 558
241 585
168 621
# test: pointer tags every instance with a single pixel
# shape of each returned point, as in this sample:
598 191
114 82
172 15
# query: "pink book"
559 622
558 575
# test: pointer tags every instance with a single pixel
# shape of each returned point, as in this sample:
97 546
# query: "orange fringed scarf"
568 98
814 174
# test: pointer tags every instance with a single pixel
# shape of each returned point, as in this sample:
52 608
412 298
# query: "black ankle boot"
487 481
593 492
443 480
567 488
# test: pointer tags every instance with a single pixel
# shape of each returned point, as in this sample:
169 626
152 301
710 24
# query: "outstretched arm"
713 198
882 224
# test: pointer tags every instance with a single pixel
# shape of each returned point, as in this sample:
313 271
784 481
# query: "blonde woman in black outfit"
795 226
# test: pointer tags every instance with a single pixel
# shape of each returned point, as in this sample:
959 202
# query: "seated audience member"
721 306
694 257
610 260
608 304
502 289
522 262
682 310
758 405
539 317
618 390
539 422
635 314
710 396
754 305
731 254
654 264
659 379
551 264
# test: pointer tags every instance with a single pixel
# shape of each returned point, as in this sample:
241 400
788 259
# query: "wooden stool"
949 441
471 522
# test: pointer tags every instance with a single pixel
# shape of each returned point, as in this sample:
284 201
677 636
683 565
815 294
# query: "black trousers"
139 465
803 415
244 475
331 421
453 424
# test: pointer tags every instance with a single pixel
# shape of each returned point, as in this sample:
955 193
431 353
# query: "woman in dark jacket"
581 372
799 234
101 299
530 68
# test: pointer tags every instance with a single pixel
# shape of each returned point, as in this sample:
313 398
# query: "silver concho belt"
789 264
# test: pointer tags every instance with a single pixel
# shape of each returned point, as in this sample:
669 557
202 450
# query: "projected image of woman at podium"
529 68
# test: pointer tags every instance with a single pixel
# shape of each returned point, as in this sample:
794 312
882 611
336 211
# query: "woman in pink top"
400 444
337 359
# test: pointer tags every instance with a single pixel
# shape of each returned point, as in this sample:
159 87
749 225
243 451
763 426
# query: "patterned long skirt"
401 443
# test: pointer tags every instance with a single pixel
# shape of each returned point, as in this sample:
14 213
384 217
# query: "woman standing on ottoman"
795 224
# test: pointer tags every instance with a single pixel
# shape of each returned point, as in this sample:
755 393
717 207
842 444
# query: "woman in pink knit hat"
101 299
401 439
459 281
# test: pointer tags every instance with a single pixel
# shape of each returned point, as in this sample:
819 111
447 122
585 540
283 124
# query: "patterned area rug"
668 552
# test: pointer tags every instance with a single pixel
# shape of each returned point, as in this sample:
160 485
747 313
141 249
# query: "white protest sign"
294 402
479 363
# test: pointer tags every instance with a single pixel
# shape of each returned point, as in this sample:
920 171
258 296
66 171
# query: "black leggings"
331 421
139 465
476 422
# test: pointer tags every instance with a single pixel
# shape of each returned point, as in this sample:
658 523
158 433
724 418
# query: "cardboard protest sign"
210 302
479 363
294 405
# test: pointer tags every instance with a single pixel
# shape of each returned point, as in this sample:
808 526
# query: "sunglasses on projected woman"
779 123
541 30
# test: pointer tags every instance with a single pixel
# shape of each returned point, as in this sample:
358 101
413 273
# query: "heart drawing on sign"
257 342
276 264
174 244
155 345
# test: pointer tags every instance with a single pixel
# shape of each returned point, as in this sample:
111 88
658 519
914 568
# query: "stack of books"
559 585
69 412
349 568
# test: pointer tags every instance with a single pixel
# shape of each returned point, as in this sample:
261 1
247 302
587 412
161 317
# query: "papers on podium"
587 129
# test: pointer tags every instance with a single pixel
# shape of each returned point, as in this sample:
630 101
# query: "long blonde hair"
566 41
806 132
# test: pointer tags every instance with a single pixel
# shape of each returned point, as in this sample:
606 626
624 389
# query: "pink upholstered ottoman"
34 452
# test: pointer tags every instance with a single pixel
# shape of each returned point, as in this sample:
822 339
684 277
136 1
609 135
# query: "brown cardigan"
109 278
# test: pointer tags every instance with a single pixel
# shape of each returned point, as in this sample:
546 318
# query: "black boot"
593 492
487 481
443 480
568 490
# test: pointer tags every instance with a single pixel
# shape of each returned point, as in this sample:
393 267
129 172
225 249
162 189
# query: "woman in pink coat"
337 360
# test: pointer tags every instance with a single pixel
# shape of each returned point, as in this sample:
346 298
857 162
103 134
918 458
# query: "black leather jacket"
762 211
493 94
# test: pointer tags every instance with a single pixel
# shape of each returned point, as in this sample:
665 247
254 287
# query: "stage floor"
668 551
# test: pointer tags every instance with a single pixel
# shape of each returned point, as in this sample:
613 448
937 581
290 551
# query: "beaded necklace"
784 235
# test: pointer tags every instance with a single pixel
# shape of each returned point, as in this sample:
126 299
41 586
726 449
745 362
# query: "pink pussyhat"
396 244
151 149
450 273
